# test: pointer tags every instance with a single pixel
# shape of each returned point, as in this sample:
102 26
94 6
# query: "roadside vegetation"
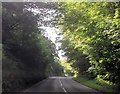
27 55
98 84
91 40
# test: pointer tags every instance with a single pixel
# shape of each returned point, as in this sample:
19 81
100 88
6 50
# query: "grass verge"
95 84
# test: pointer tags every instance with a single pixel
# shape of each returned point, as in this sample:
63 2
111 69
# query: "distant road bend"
60 84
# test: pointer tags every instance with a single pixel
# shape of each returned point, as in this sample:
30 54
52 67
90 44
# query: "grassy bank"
99 85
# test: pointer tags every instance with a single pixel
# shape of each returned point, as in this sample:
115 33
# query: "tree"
93 28
26 52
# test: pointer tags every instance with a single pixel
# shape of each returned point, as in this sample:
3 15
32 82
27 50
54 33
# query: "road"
59 84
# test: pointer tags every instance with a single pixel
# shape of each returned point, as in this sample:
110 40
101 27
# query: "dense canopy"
92 38
27 54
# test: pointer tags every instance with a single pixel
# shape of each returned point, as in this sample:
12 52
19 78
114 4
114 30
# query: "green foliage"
12 76
68 69
93 29
97 84
54 69
79 60
26 52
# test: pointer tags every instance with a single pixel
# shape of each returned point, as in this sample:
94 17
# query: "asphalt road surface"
60 84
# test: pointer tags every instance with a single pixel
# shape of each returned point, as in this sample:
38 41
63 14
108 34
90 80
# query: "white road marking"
64 90
60 82
62 86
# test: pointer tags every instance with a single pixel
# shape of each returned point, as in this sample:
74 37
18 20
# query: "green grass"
96 84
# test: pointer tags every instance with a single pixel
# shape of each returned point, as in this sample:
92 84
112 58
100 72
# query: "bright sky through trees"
52 34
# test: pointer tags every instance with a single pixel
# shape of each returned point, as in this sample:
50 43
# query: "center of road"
62 86
59 84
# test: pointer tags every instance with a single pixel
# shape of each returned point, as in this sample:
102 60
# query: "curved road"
60 84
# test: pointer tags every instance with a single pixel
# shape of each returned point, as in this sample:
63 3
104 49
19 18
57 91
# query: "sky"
52 34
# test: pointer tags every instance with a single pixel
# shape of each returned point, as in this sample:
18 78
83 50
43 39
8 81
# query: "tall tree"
26 52
93 28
